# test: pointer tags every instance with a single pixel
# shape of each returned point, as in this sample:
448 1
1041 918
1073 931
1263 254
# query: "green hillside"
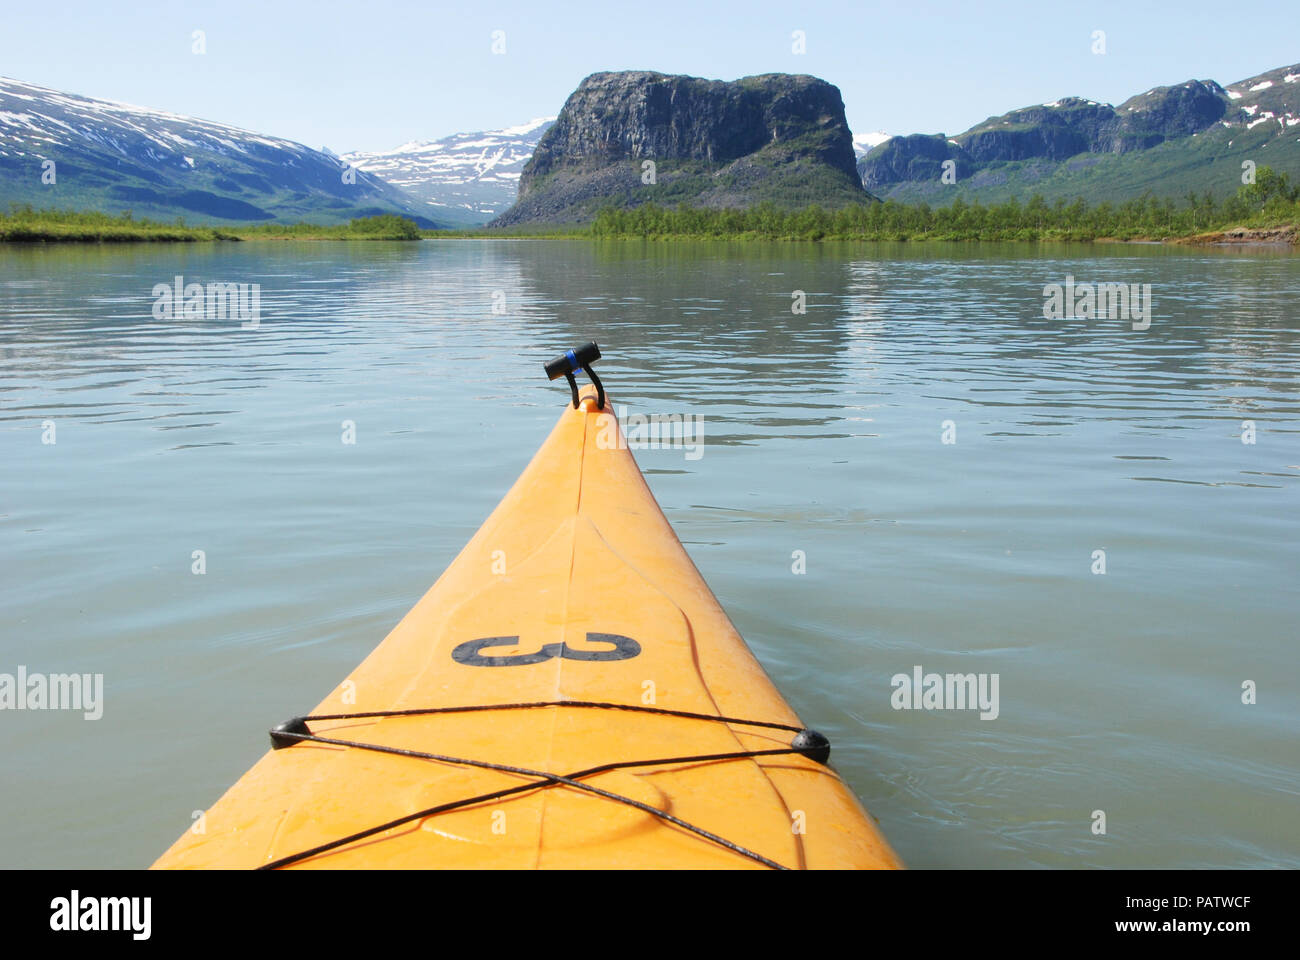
1206 162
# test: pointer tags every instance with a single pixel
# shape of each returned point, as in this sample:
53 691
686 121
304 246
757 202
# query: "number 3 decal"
621 648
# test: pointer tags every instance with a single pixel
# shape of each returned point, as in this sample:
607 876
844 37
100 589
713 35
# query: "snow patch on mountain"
111 156
109 122
475 175
864 143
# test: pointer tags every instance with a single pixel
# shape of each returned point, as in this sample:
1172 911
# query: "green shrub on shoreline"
383 227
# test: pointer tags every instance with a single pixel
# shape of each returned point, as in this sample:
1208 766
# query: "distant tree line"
1270 200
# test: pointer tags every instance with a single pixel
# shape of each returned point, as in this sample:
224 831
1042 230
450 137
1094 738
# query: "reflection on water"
1119 692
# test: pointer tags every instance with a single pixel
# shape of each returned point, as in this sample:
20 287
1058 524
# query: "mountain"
467 178
779 137
1170 140
864 143
113 157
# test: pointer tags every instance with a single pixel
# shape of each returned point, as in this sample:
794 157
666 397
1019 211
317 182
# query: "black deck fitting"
812 744
571 361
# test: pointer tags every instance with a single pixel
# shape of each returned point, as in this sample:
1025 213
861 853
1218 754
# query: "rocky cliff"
778 138
1035 143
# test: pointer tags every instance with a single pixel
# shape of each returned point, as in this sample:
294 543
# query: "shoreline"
32 234
28 226
1288 236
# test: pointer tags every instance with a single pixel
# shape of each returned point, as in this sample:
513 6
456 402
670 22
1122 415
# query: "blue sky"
376 74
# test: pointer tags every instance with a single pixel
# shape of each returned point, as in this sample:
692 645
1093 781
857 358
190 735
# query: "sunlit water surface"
1119 692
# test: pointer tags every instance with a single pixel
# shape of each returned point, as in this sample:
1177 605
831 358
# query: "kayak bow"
568 694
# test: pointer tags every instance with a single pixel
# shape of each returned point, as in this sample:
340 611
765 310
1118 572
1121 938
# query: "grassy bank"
25 225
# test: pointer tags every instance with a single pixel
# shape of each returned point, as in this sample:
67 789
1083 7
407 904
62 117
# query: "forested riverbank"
1266 211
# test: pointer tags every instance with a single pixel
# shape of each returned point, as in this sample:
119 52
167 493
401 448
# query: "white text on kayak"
54 691
652 431
74 912
946 691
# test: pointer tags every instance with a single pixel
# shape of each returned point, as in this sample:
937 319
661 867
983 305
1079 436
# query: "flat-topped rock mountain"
778 137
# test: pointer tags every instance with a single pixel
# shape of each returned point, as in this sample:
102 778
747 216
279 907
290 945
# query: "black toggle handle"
571 361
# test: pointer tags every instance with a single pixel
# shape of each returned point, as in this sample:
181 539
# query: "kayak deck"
574 589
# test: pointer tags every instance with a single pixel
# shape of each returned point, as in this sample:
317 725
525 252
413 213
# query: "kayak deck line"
287 727
807 742
572 695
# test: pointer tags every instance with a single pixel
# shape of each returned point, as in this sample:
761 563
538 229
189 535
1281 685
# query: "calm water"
1119 692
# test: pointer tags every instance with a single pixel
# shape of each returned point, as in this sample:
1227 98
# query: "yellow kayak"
568 694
